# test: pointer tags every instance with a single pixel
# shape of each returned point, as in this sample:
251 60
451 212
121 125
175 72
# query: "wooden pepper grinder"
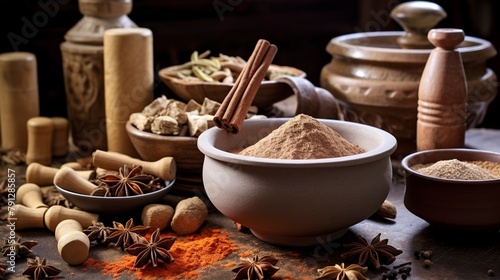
442 94
60 139
73 245
18 97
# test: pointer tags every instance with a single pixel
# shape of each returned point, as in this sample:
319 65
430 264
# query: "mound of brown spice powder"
456 170
302 137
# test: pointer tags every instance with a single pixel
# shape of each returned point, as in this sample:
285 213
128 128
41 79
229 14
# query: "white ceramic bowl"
296 202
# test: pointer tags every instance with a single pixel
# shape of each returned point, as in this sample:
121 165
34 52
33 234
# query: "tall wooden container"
18 97
83 67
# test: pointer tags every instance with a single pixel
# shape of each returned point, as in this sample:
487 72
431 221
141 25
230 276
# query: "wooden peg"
74 165
42 175
60 140
57 213
39 140
69 179
164 168
26 218
73 245
30 195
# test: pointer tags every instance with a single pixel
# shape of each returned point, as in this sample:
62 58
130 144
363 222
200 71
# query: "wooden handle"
67 226
69 179
42 175
417 18
73 245
57 213
26 218
164 168
30 195
39 140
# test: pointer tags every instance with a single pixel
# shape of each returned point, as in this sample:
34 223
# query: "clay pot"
375 75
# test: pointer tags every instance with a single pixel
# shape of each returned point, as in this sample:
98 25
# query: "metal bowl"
114 205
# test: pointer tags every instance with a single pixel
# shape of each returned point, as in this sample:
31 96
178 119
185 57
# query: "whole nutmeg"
157 216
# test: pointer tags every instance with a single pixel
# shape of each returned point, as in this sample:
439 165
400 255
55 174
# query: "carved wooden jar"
82 56
375 75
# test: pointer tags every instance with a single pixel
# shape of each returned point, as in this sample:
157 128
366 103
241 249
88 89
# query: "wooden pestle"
42 175
73 245
25 217
70 180
73 165
39 140
30 195
164 168
57 213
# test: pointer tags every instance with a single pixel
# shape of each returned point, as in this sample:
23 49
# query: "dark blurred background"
300 29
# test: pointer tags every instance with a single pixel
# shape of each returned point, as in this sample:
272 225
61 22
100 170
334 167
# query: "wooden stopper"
442 94
26 218
60 140
19 97
39 140
128 82
30 195
73 245
42 175
164 168
70 180
57 213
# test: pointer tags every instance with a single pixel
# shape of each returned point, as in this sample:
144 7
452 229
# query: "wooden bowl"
269 92
152 147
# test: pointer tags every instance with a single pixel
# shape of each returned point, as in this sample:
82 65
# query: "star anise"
103 189
3 270
17 247
127 182
124 236
39 269
97 232
256 268
53 197
376 253
340 272
156 249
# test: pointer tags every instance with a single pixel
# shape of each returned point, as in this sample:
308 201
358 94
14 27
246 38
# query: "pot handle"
313 101
417 18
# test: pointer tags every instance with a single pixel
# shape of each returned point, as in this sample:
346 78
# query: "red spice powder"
190 253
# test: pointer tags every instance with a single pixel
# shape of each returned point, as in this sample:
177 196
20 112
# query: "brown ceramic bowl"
269 92
454 204
152 147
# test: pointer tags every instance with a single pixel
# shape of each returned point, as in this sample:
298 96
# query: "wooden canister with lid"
19 97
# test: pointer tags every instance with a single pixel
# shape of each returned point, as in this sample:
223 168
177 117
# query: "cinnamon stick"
234 108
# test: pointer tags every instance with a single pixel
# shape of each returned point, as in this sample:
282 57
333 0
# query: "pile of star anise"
126 182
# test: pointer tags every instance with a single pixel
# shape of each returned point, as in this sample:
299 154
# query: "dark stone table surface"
455 255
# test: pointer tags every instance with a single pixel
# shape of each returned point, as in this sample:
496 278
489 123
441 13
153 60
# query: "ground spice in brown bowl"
460 170
302 137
